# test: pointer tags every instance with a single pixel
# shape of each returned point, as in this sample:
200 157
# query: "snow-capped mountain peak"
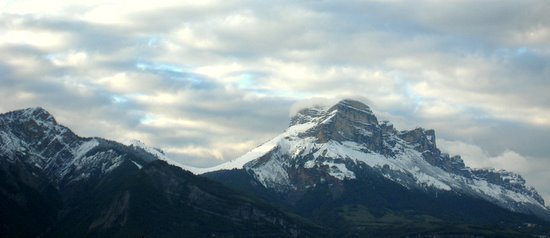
342 142
38 113
33 137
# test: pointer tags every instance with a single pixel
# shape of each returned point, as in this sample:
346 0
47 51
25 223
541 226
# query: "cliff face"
344 142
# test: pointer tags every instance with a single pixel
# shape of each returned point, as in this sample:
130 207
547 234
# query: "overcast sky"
209 80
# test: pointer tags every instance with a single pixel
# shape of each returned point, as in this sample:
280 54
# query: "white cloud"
194 151
475 157
69 59
36 38
532 169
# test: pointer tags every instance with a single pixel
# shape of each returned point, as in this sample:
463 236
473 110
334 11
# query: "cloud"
533 169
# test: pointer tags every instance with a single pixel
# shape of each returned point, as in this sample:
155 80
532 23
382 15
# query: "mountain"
343 168
335 172
54 183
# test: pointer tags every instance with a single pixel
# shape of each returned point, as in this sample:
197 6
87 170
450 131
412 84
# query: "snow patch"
339 171
430 181
501 194
10 144
273 174
309 164
116 162
84 148
138 165
329 118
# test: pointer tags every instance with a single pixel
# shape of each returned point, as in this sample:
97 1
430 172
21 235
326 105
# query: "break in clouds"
207 81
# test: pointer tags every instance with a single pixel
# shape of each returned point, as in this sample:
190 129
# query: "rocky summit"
343 147
338 141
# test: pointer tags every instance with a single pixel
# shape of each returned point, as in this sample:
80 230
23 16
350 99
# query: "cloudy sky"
209 80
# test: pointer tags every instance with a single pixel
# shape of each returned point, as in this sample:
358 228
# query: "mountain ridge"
335 172
334 139
54 183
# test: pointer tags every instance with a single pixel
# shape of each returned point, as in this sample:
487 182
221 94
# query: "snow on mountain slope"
291 132
339 141
159 154
32 136
233 164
